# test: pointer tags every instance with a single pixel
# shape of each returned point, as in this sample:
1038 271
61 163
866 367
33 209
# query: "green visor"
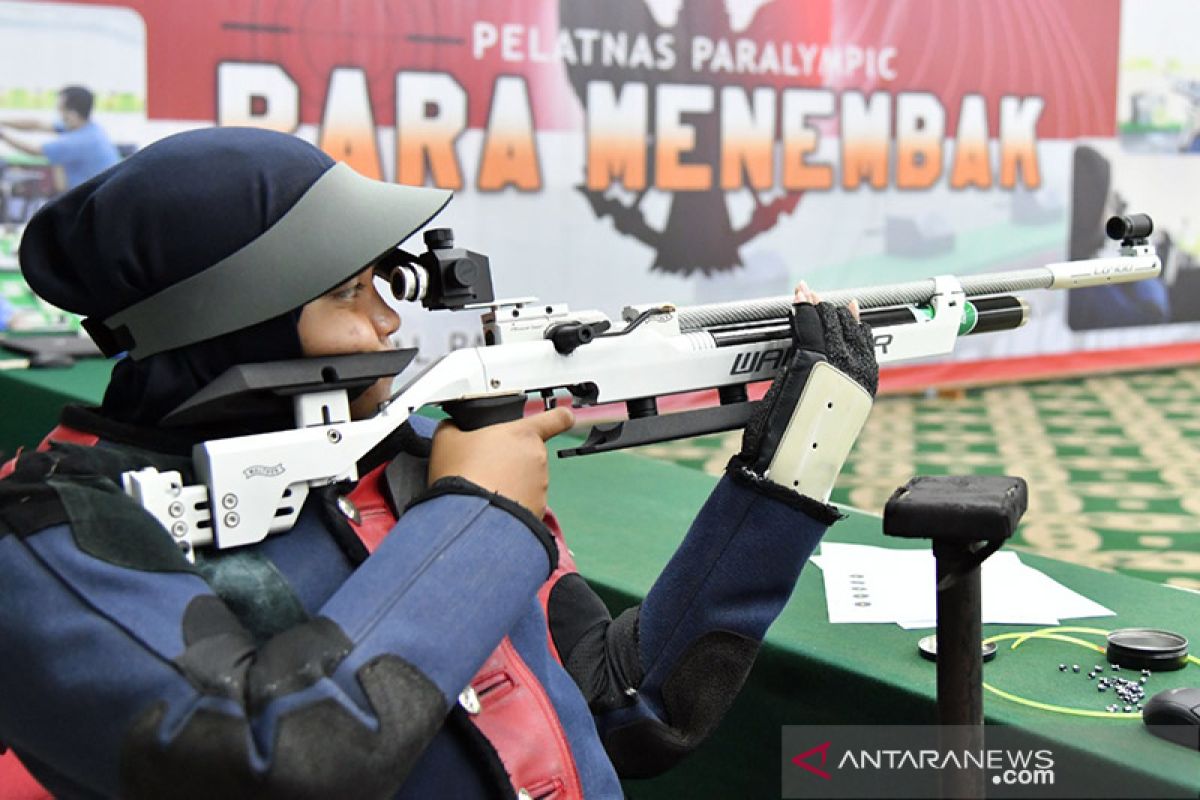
342 224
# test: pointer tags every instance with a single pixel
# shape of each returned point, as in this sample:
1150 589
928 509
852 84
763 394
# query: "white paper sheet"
864 583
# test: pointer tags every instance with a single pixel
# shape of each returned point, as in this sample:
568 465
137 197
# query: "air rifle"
252 486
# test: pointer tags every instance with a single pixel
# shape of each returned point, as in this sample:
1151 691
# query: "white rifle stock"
252 486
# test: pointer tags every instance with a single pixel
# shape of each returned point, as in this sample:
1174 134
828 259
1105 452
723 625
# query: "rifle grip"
471 415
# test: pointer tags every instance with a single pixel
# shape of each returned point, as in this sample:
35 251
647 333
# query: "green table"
813 673
809 672
31 399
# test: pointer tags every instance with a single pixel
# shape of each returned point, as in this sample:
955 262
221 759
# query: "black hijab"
168 212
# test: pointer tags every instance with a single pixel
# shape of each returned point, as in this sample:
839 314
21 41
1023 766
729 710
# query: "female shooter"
429 638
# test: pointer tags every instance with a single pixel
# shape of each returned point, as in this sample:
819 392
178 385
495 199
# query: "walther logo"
759 360
1116 269
776 357
263 471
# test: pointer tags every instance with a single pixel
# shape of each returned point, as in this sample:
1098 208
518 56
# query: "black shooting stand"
968 518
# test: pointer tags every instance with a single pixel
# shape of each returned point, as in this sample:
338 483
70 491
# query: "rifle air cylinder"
981 315
997 314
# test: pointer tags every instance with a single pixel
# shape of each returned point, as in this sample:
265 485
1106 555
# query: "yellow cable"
1021 637
1057 634
1079 712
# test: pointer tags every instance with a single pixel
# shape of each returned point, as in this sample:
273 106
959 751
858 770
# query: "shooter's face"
351 318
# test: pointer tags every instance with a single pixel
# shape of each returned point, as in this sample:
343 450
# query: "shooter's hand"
508 459
783 441
845 341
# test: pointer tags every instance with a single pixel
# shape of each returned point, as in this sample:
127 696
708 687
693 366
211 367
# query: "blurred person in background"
82 148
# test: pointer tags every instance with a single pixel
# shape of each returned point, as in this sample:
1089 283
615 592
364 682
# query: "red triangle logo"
801 760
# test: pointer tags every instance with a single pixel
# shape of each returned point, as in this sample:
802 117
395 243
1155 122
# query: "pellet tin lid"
1147 648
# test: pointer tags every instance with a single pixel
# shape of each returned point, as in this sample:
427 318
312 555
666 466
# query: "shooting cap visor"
343 223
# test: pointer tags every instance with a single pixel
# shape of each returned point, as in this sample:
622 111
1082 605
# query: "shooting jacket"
414 642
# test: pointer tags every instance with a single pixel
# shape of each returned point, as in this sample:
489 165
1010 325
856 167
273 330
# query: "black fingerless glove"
819 333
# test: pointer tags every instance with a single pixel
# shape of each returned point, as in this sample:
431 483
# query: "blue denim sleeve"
124 680
699 628
734 571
